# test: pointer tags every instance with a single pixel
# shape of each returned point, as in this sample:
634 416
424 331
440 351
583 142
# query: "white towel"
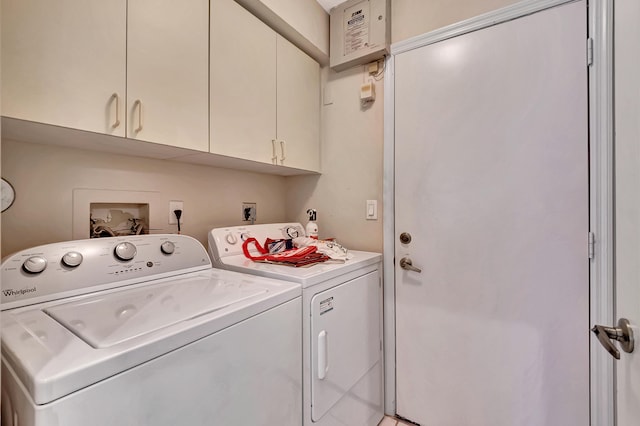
330 248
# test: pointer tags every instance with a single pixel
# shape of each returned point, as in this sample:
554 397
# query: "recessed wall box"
117 219
360 32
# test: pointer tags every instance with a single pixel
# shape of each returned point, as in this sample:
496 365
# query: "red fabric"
245 249
296 257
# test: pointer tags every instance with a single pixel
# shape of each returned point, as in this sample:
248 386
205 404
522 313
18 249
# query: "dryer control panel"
225 242
72 268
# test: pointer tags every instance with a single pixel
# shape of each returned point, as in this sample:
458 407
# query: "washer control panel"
228 241
71 268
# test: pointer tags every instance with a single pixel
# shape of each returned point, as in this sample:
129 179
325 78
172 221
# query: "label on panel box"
326 305
356 28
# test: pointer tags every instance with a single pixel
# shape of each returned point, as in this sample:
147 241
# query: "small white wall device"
360 31
367 93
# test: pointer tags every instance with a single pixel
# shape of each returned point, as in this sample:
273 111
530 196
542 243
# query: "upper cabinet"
64 63
95 65
168 72
265 92
202 81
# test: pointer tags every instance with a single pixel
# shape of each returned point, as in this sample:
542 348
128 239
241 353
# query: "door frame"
601 167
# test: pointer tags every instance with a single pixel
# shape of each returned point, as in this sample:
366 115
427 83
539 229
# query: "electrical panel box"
360 32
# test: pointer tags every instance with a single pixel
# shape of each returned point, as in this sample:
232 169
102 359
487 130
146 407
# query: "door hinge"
592 243
589 51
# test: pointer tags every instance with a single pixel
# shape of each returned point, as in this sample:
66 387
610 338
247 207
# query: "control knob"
167 247
35 264
72 259
125 251
231 238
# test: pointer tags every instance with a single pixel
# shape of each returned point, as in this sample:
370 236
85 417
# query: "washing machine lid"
58 347
306 276
106 320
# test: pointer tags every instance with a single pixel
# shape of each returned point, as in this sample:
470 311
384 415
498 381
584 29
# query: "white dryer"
142 331
341 326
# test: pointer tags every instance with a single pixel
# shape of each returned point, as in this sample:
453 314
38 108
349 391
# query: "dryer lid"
106 320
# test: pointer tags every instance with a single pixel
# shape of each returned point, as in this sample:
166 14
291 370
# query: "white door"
627 198
491 183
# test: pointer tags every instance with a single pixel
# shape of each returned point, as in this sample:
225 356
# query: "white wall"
303 22
307 16
351 162
45 176
410 18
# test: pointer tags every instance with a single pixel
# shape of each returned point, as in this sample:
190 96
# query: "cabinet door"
168 72
243 84
62 62
298 108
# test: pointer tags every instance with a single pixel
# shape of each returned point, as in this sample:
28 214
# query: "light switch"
372 210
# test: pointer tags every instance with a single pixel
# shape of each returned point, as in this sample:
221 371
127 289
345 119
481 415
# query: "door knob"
622 333
405 263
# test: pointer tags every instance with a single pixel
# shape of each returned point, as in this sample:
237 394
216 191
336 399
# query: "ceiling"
328 4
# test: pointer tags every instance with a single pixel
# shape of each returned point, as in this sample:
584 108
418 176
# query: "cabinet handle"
274 155
138 104
116 98
282 157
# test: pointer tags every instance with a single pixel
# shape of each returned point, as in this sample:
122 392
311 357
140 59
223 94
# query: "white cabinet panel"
243 83
167 71
83 64
62 61
298 108
265 92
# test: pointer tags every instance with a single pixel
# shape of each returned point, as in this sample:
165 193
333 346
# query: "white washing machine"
341 326
142 331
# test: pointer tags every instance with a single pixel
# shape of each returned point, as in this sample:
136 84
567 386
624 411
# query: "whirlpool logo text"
11 292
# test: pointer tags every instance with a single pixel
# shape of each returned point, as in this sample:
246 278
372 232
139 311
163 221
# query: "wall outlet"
175 205
249 212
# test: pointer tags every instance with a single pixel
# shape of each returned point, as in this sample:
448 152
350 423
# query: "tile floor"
390 421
